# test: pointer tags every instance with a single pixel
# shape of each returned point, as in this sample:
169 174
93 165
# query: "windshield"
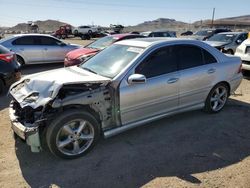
223 38
102 43
112 60
203 32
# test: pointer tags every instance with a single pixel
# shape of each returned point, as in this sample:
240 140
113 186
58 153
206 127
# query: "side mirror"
136 79
239 41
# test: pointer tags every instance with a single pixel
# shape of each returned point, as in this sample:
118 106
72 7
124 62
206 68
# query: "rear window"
3 50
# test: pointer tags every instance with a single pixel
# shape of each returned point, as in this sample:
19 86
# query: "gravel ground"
192 149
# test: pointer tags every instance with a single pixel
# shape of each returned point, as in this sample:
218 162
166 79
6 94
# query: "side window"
242 37
160 62
48 41
208 58
29 40
189 56
166 34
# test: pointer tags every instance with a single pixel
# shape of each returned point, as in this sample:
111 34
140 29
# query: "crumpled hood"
47 85
216 43
74 54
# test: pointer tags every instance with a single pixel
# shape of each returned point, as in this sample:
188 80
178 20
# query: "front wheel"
72 134
217 98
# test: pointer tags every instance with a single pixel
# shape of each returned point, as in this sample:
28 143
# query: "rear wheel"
72 134
20 60
217 98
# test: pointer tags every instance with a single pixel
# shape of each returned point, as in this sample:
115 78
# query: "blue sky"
129 12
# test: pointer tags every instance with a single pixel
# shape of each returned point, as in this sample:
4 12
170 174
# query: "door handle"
211 71
172 80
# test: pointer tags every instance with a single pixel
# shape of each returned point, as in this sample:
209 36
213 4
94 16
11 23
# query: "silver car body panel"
36 54
135 104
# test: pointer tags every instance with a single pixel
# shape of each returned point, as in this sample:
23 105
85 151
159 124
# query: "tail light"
7 57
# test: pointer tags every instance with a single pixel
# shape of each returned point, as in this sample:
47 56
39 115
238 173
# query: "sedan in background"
207 33
159 33
9 68
37 48
80 55
227 42
243 51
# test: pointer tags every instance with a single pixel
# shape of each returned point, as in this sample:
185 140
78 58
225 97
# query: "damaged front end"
36 102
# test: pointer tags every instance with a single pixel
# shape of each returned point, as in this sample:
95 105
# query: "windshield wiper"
89 70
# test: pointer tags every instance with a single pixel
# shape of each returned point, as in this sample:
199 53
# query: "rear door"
197 73
29 48
54 50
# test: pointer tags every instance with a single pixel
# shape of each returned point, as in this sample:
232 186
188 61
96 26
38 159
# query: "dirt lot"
193 149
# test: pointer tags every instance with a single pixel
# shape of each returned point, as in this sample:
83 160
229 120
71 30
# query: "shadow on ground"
178 146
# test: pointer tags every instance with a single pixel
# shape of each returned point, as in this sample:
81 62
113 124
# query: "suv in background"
85 30
159 34
243 51
207 33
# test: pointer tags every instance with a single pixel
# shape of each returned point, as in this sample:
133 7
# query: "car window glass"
161 62
48 41
242 37
208 58
29 40
189 56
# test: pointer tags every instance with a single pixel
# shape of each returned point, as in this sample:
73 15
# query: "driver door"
158 95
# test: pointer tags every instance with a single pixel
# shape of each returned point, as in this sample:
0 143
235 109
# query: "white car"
243 51
85 30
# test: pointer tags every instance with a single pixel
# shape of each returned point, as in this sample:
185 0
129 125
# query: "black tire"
1 86
90 32
231 52
76 33
66 118
63 36
20 60
208 104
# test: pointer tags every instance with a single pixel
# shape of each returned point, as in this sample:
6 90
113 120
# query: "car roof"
146 42
119 36
232 33
31 34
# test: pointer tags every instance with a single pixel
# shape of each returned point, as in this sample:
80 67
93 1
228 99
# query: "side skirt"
118 130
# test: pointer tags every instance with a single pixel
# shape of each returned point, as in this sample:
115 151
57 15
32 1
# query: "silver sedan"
37 48
126 85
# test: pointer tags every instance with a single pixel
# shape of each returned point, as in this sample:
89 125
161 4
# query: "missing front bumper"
27 133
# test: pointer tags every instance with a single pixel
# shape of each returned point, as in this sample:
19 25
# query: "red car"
78 56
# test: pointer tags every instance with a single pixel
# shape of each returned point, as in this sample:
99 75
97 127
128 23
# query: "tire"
76 32
72 134
20 60
63 36
231 52
83 37
1 86
90 32
217 98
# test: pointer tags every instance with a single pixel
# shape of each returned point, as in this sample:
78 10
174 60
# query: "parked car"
227 42
243 51
159 34
207 33
1 34
187 33
37 48
85 30
9 68
128 84
78 56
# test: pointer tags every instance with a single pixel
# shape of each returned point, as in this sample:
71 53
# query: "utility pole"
212 24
